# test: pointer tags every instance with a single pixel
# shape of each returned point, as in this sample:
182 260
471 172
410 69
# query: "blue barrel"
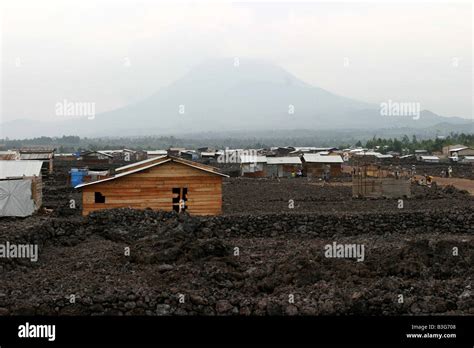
77 176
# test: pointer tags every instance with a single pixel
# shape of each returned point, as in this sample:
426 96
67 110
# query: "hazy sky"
114 52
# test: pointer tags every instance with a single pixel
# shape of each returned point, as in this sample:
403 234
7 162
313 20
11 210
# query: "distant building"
315 165
9 155
43 154
429 159
468 159
282 166
419 153
65 157
252 165
156 153
95 158
175 151
457 151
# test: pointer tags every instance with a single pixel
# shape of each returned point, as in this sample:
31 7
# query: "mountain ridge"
219 96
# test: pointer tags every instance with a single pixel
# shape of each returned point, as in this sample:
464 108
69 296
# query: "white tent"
16 198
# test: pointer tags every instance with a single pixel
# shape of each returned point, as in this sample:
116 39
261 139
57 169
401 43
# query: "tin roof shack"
43 154
155 153
95 158
128 155
371 182
282 166
175 151
20 187
189 155
461 150
454 152
252 166
315 165
429 159
468 159
9 155
311 149
161 183
70 157
419 153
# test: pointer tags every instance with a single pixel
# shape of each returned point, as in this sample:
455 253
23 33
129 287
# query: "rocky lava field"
260 257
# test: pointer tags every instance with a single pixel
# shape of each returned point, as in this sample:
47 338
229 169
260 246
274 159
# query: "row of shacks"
312 165
169 180
45 155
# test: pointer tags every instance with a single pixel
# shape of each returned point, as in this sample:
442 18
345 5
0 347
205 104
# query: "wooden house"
162 183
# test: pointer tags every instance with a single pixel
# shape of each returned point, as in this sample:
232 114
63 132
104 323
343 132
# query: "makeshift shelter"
20 187
252 165
282 166
43 154
315 165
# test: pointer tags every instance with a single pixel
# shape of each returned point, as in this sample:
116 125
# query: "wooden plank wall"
37 191
316 170
152 188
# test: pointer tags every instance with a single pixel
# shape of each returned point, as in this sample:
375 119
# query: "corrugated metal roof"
283 160
149 160
36 156
14 169
157 152
316 158
373 153
209 154
87 153
252 159
458 149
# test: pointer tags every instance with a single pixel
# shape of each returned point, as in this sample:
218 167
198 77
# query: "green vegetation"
403 145
407 145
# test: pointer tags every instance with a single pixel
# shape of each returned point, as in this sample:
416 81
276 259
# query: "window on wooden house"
99 198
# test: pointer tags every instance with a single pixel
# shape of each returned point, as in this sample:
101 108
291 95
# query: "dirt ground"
461 184
262 257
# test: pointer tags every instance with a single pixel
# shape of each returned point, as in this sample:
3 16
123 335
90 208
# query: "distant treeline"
409 145
73 143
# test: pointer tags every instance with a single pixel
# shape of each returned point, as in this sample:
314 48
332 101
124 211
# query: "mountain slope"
256 95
